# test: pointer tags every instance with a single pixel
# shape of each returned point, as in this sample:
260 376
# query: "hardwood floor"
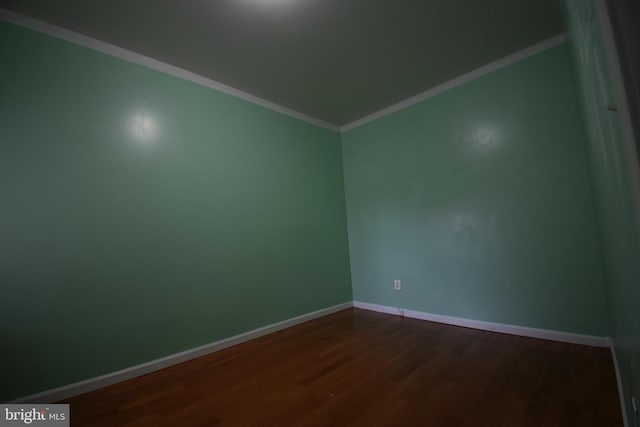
360 368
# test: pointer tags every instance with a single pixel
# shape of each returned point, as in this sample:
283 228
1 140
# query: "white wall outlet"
397 285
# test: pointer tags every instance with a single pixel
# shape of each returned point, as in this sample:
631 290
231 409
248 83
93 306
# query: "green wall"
142 215
480 200
613 163
122 243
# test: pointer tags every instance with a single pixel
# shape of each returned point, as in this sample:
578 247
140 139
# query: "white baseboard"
623 407
524 331
95 383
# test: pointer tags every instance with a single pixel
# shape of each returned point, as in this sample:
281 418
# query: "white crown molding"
524 331
136 58
127 55
95 383
460 80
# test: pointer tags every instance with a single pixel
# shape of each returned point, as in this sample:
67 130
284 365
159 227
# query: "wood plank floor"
360 368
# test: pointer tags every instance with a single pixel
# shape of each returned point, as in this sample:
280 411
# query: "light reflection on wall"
486 136
143 127
268 3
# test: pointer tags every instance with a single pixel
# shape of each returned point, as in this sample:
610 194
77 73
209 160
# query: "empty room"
320 213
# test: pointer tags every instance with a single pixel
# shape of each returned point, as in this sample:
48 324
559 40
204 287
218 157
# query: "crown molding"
460 80
136 58
146 61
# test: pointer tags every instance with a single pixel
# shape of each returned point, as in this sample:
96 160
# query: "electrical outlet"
396 285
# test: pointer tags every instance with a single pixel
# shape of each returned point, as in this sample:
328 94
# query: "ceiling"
333 60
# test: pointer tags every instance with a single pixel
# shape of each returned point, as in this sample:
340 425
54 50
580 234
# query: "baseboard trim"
78 388
95 383
524 331
623 407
